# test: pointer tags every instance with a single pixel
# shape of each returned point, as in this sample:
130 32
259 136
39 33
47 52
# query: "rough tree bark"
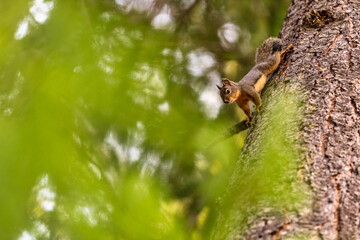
326 62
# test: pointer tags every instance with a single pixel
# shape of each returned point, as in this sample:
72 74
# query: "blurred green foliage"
107 109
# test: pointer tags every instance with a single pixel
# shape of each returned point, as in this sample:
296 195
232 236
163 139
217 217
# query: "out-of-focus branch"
235 129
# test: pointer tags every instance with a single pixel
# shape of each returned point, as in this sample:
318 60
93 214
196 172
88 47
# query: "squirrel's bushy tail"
269 47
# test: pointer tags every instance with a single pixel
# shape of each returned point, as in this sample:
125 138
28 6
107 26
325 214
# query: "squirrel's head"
229 92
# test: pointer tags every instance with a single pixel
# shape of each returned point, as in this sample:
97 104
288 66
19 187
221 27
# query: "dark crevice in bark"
356 112
317 19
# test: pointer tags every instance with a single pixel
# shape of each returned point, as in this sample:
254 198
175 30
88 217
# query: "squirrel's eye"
228 91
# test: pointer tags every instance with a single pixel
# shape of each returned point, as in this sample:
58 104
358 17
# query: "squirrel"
268 57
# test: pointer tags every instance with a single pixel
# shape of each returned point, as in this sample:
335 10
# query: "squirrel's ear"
219 87
226 81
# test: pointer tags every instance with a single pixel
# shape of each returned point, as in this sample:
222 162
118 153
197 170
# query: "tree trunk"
325 62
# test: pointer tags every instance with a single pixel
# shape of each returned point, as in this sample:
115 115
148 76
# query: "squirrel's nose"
226 101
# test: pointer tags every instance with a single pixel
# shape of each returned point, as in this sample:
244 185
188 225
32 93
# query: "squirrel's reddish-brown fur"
268 57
